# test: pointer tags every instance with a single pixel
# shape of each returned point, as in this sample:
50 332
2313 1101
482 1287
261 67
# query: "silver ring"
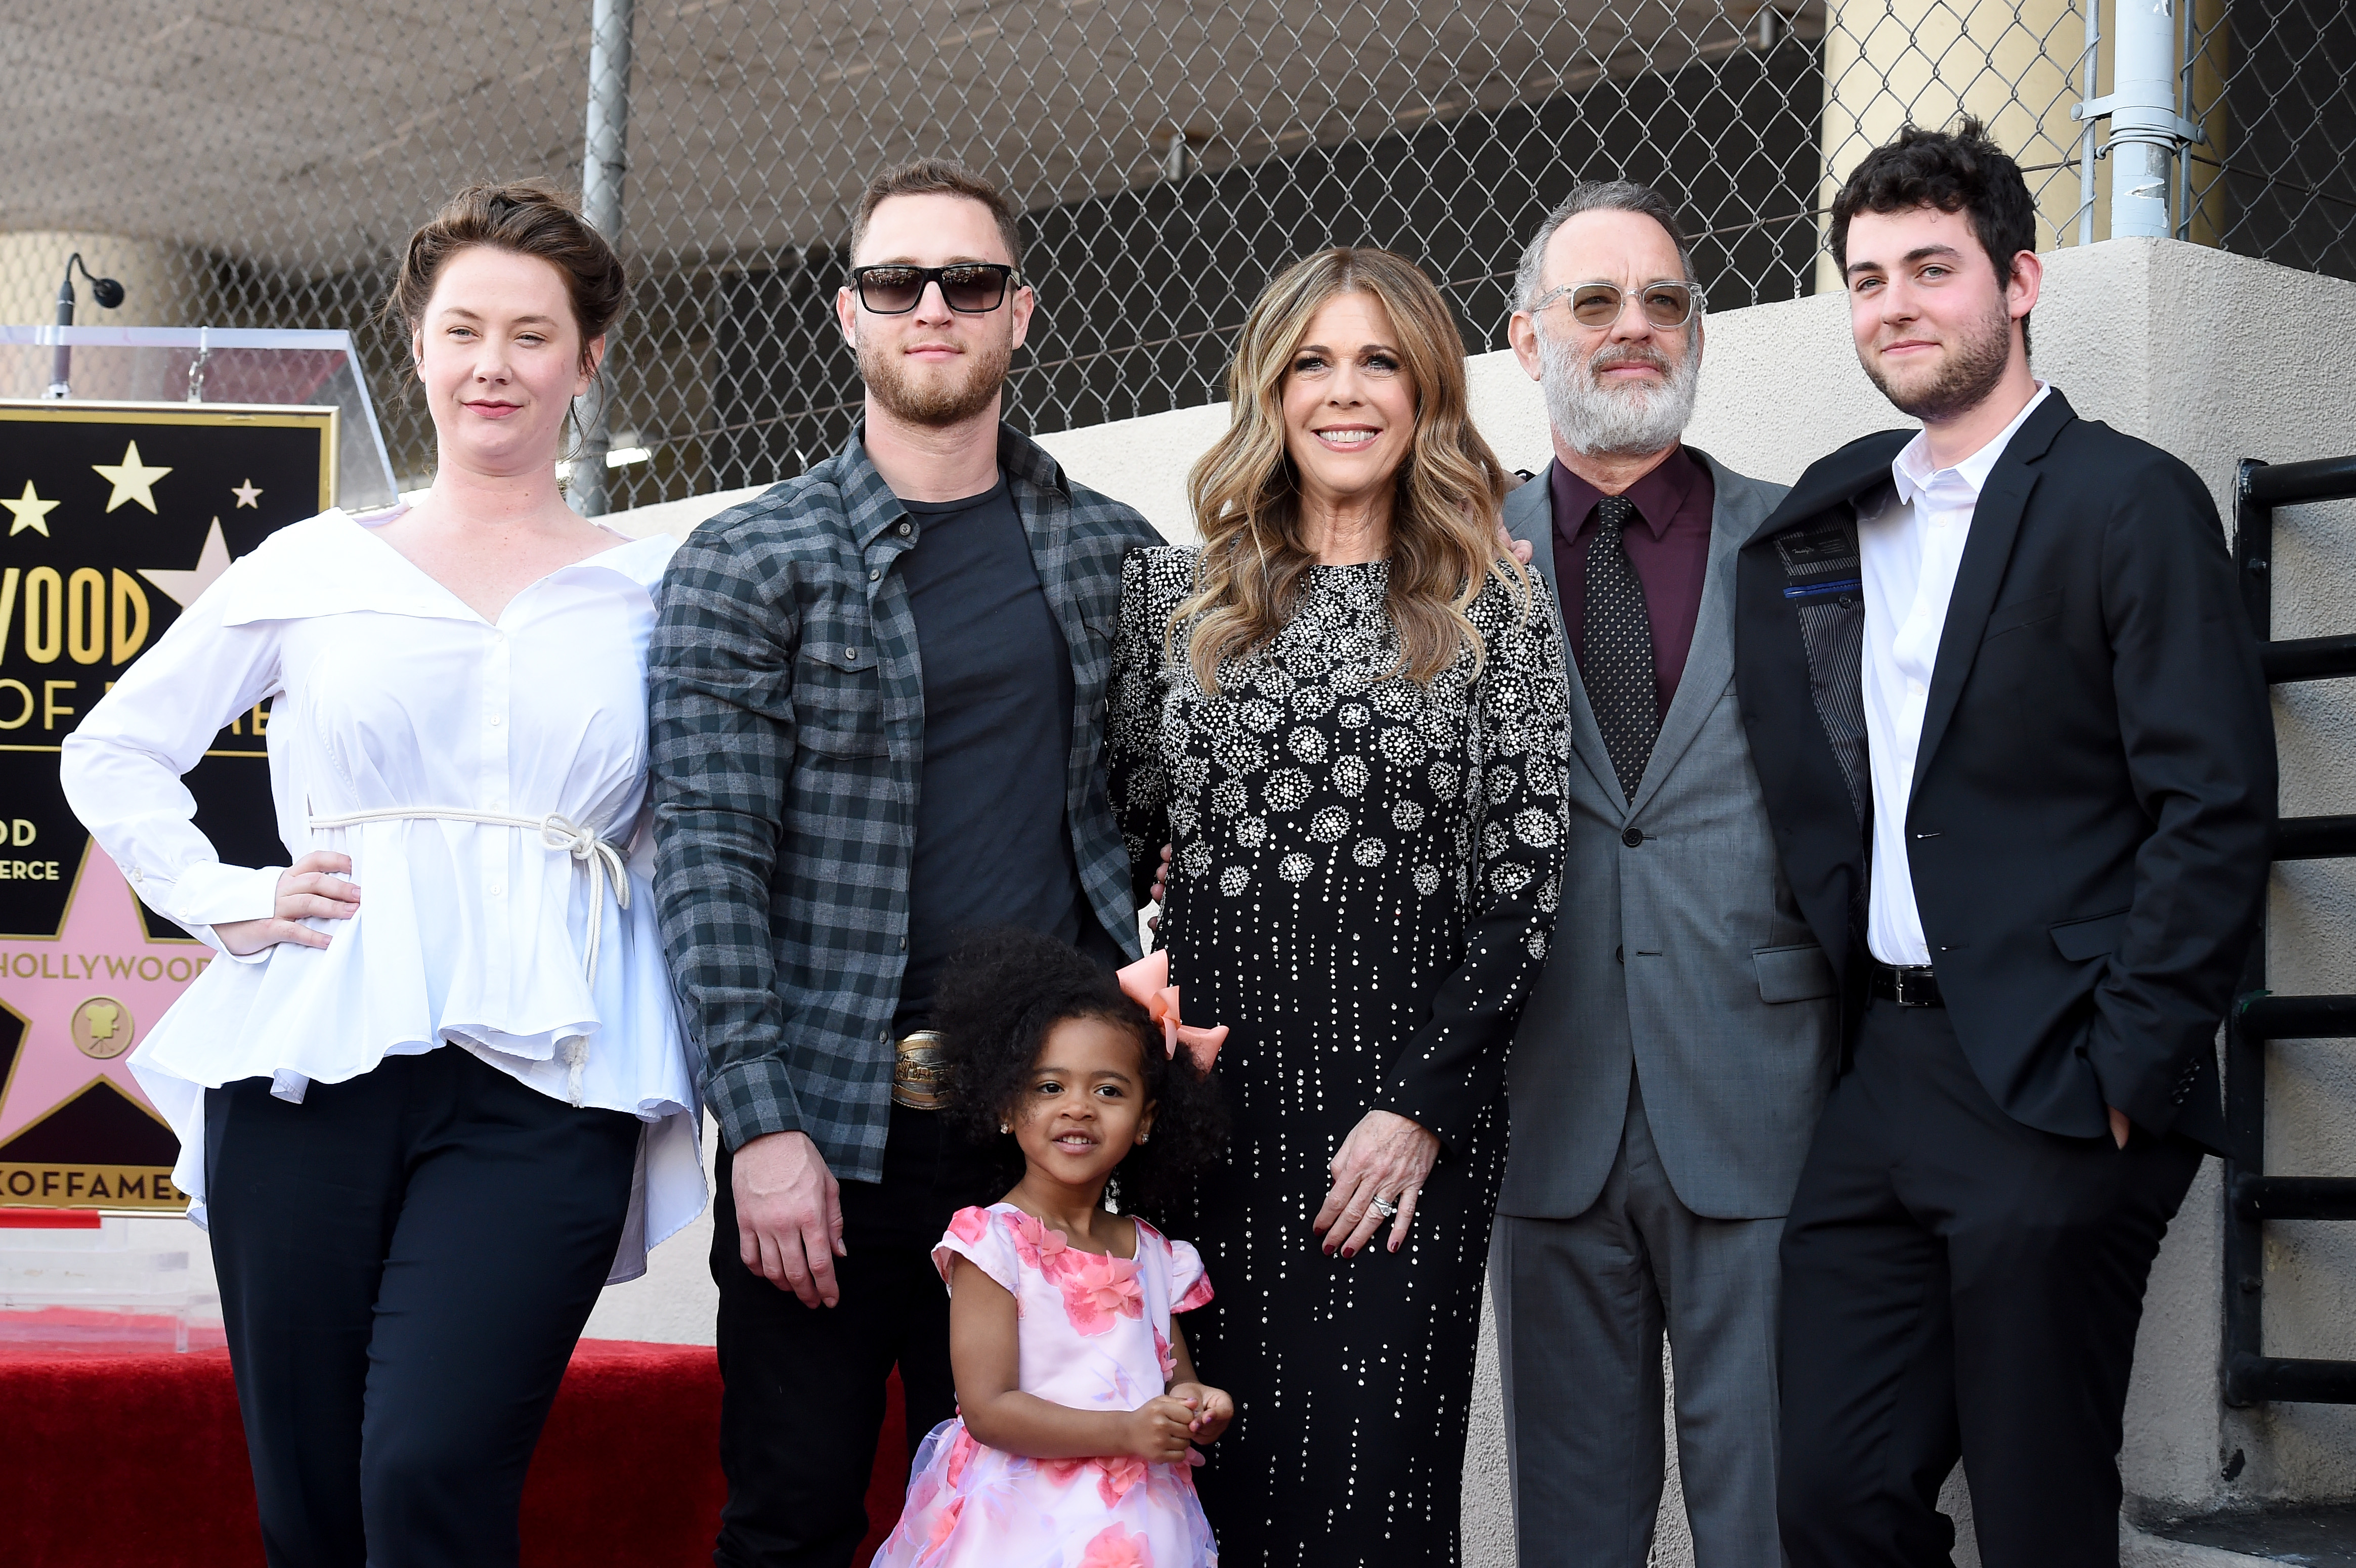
1386 1208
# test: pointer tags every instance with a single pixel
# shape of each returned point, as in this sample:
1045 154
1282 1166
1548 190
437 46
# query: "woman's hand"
311 889
1211 1407
1386 1156
1160 1430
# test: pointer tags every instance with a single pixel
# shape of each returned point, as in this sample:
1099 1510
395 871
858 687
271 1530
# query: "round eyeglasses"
1667 302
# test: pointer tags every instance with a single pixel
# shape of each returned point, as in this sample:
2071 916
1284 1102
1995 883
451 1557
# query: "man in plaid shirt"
877 718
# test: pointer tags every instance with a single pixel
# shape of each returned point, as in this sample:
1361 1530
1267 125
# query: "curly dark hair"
1961 170
1001 994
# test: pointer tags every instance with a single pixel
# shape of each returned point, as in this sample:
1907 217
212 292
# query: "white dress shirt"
1908 556
391 694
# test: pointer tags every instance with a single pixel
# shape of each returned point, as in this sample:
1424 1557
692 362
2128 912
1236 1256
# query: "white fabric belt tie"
558 833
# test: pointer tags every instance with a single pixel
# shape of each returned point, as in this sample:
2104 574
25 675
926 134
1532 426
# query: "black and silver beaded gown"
1367 873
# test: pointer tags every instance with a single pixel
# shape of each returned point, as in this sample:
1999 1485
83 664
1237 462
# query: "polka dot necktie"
1618 634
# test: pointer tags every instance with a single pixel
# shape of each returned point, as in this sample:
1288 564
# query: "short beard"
1975 366
951 400
1603 421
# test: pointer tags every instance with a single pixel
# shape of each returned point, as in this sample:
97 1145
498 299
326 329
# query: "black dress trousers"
802 1388
406 1259
1956 1284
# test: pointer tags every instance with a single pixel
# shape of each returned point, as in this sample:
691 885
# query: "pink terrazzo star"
103 956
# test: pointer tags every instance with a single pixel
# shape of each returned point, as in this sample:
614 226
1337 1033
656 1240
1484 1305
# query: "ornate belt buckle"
920 1073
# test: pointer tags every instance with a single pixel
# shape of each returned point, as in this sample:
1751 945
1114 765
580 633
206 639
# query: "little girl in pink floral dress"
1078 1402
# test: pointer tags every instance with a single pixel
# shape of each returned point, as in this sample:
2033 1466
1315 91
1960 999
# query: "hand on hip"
311 889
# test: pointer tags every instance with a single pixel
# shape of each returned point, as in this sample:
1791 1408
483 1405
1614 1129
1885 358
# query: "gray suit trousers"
1581 1305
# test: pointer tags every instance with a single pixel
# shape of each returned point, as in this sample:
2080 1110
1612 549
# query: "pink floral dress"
1093 1334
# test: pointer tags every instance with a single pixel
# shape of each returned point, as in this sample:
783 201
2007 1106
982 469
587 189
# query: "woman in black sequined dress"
1347 713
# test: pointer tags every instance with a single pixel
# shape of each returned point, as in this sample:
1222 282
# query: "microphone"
105 292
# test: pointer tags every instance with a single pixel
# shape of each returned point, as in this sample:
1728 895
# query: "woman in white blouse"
441 1097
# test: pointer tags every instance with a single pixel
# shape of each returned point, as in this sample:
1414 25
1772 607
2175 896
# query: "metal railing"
2253 1199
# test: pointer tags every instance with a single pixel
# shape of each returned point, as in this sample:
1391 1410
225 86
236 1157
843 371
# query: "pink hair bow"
1147 983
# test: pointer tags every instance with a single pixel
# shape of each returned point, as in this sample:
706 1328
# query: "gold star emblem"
247 495
184 586
132 480
30 512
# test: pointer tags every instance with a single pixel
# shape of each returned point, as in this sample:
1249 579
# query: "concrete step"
2138 1549
2316 1536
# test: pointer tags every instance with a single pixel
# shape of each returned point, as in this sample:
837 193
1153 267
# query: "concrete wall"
2213 356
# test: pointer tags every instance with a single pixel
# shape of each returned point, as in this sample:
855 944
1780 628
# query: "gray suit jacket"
1684 956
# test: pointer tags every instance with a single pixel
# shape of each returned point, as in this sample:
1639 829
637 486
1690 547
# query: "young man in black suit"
2016 751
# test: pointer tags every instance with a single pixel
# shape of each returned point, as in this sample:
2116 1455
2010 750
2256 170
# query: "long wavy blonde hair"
1246 496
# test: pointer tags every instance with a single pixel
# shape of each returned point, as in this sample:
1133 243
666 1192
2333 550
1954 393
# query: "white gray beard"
1613 422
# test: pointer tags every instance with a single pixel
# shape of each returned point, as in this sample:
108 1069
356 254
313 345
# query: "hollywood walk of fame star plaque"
114 517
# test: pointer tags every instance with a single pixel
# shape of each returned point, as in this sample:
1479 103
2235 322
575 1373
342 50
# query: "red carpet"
110 1459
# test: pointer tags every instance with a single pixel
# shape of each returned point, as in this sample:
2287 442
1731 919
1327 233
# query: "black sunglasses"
969 288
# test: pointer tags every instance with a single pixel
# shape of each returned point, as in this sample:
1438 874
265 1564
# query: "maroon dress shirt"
1668 545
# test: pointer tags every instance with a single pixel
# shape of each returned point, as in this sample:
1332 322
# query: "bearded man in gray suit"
1671 1061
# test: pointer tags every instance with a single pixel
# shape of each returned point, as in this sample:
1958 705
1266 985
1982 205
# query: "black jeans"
406 1259
1959 1285
802 1400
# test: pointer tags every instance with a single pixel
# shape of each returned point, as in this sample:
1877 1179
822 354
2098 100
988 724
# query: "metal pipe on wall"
2147 131
604 161
2088 63
2143 117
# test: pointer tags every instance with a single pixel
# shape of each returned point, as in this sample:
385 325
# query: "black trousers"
802 1388
406 1259
1959 1285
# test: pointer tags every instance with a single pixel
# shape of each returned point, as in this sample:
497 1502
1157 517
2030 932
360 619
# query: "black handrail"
2309 658
2299 1018
2272 485
2294 1198
2250 1380
2252 1196
2316 838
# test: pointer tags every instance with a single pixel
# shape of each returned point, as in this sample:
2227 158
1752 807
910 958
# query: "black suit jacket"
2094 799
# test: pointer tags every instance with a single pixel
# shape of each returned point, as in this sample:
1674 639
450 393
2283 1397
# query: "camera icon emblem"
102 1029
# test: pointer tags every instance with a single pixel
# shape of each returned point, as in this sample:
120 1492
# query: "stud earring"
1006 1126
1141 1139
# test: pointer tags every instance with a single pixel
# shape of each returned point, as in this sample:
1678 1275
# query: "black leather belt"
1907 985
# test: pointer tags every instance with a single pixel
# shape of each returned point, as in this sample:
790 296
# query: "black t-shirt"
992 844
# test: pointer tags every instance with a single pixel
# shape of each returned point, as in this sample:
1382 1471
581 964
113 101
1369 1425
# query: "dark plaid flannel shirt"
788 727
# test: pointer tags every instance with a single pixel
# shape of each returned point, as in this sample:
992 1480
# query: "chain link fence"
251 164
2273 83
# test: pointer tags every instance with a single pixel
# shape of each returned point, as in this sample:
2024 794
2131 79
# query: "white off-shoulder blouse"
392 698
